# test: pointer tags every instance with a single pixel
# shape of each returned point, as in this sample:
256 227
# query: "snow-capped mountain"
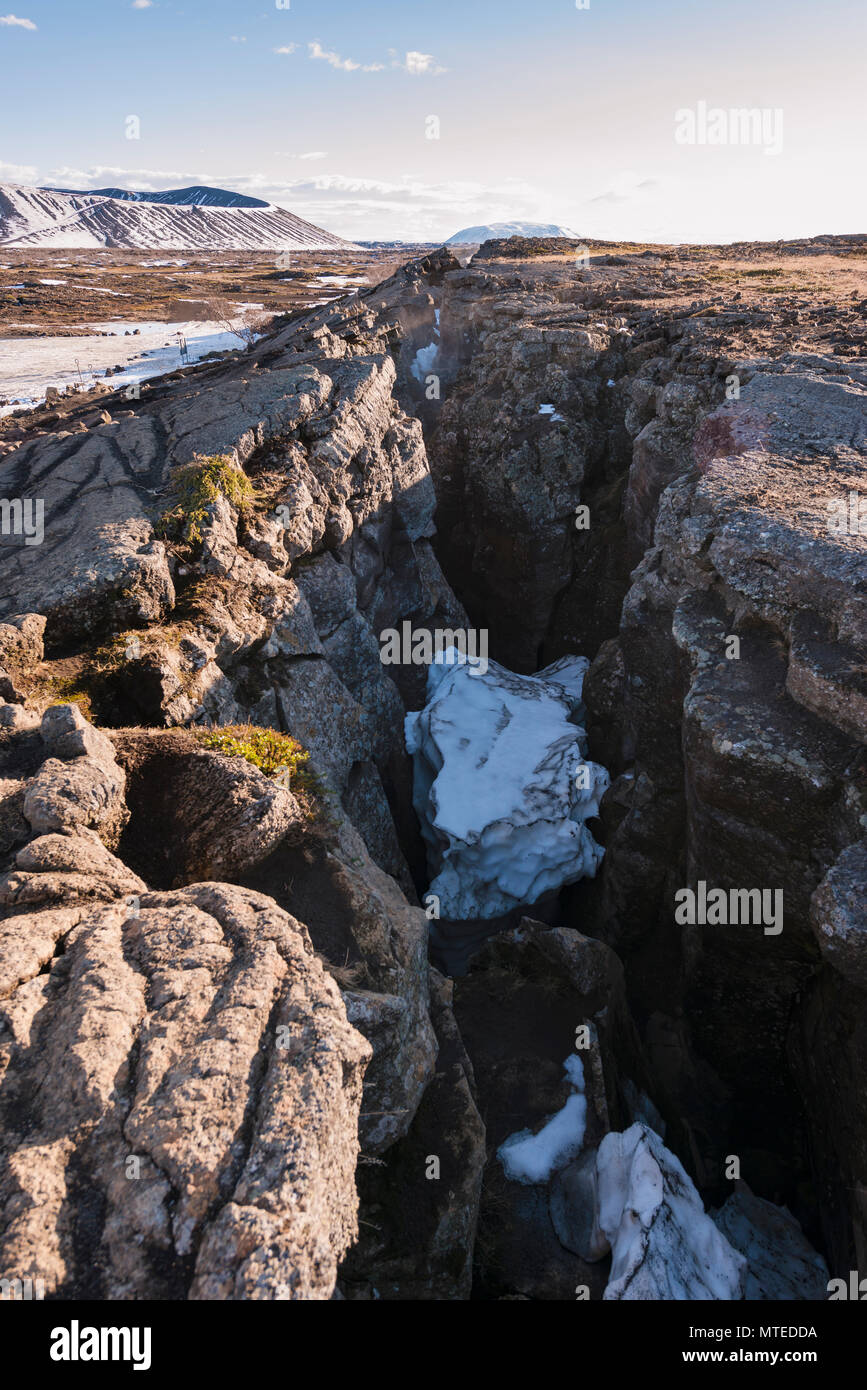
44 217
490 231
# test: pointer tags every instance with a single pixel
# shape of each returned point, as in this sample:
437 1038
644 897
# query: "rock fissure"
545 453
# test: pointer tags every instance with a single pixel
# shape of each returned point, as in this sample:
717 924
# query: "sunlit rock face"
501 785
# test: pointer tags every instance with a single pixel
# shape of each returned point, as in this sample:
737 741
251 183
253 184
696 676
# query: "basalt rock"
511 476
829 1052
420 1201
196 814
21 649
80 784
736 727
179 1100
179 1083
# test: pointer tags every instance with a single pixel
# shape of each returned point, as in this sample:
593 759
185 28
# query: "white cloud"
344 64
12 19
107 175
418 64
314 154
287 48
17 173
142 4
236 39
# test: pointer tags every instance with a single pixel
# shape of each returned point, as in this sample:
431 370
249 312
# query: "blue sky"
546 111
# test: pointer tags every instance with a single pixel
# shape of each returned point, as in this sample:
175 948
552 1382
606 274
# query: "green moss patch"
196 487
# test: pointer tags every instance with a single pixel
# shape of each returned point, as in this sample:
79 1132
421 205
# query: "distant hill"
211 220
491 231
199 194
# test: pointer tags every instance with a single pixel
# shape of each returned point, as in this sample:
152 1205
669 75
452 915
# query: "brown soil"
145 291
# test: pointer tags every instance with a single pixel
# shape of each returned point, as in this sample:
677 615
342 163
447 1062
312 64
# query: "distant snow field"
339 280
28 366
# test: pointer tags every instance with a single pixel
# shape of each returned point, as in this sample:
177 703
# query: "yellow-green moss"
272 752
196 486
67 690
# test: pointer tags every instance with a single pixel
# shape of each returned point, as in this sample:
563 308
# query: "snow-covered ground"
631 1198
28 366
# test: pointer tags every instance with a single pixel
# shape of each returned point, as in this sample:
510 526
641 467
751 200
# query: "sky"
409 119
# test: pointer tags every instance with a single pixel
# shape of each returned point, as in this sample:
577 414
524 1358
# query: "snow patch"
532 1158
339 280
424 362
496 788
